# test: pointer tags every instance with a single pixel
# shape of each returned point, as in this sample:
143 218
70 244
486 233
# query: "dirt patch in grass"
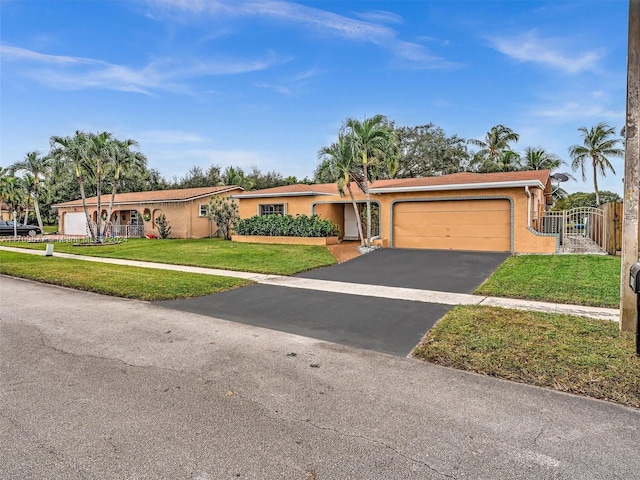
562 352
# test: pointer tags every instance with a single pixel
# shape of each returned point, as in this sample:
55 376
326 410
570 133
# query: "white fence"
581 230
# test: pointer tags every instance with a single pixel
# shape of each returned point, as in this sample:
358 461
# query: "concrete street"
106 388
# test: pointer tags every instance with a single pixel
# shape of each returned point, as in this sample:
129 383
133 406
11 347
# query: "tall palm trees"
122 161
338 164
597 146
72 151
97 155
495 152
36 166
373 141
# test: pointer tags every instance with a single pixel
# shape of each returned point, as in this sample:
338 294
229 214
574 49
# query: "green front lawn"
116 280
575 279
562 352
207 252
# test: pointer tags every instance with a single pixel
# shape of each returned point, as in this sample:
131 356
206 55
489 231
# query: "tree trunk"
36 207
110 209
357 212
366 192
92 233
99 206
595 184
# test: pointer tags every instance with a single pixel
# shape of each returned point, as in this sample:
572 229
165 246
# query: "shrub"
287 226
164 230
224 212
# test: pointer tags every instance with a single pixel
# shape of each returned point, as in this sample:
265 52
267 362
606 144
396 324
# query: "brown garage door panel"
477 225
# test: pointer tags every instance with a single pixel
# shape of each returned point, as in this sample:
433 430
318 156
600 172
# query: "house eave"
284 194
145 202
460 186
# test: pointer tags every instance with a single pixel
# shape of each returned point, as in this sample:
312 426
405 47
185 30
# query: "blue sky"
268 83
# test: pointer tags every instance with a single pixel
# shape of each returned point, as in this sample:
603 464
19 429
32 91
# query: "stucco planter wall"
285 240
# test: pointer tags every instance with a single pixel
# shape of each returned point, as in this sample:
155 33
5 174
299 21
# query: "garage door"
75 223
481 225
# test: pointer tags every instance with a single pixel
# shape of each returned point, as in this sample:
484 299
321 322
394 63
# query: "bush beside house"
287 226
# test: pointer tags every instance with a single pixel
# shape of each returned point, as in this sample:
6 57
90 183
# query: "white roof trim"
460 186
283 194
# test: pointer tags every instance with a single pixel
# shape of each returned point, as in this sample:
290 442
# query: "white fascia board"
275 195
462 186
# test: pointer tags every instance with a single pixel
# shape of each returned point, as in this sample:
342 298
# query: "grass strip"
116 280
574 279
207 252
562 352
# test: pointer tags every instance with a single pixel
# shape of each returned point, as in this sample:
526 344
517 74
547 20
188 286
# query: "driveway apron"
384 325
440 270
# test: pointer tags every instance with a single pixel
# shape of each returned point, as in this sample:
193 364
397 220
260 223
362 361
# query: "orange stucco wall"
524 240
183 217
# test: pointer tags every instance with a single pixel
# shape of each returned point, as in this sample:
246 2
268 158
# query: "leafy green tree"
223 211
236 176
12 190
491 156
339 165
373 141
596 149
582 199
38 168
426 151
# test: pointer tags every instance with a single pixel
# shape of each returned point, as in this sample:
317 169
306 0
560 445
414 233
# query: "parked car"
6 228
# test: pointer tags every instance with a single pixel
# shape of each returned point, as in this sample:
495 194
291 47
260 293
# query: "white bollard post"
49 250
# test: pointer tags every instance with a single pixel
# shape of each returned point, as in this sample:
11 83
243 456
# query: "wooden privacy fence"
612 212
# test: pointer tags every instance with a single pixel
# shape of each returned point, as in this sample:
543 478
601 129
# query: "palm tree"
539 159
122 161
37 167
596 148
97 154
496 142
11 189
72 151
337 164
373 141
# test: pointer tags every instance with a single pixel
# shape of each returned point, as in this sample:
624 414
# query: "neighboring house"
463 211
6 213
134 214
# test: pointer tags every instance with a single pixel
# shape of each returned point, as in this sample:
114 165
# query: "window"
203 210
272 209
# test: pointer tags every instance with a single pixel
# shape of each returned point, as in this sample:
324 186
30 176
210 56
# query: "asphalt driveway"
380 324
440 270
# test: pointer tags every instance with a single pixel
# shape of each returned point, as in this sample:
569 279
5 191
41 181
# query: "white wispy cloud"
579 110
530 47
369 30
169 74
379 16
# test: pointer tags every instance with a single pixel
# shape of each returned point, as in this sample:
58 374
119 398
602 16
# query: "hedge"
287 226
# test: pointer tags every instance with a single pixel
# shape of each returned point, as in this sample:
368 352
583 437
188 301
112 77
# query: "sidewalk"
416 295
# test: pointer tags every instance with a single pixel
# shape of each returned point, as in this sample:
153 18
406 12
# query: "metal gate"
581 230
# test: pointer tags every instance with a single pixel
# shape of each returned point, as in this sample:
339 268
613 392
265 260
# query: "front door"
350 223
